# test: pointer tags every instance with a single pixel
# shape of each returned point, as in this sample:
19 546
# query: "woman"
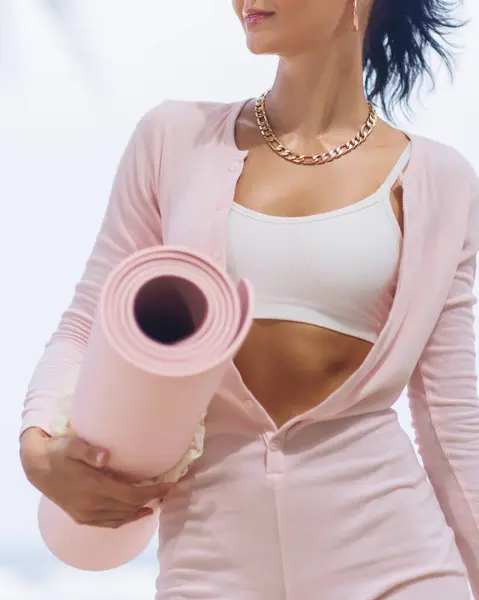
361 243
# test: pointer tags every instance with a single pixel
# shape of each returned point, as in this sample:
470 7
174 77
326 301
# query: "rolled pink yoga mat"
168 323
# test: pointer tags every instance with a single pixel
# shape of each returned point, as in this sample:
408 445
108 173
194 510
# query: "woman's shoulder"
453 182
443 160
188 118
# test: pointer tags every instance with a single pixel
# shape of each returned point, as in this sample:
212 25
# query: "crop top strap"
396 173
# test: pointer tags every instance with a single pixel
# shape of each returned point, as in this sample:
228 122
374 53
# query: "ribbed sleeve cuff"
37 418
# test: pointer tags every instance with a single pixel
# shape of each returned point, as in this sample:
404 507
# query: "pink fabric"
334 503
144 400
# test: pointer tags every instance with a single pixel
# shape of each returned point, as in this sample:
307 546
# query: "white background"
69 98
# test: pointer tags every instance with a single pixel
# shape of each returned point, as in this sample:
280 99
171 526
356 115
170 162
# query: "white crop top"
336 269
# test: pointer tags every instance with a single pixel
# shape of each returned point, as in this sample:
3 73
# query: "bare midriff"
292 367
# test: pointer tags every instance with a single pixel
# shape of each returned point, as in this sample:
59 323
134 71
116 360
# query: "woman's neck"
320 95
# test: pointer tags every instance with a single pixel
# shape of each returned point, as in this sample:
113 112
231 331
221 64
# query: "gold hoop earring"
355 16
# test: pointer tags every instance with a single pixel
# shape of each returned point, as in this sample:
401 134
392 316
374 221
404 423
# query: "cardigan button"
275 445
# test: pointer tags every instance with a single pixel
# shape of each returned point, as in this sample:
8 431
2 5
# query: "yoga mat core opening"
169 309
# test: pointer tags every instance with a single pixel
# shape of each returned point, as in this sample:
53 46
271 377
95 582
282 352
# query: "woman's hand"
69 472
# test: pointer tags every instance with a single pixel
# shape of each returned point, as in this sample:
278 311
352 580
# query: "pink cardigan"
182 162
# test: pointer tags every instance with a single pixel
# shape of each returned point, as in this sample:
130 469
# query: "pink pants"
338 510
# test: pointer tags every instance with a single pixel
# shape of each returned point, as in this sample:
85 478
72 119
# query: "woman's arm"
445 409
132 222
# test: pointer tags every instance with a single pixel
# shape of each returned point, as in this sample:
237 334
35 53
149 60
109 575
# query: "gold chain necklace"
311 159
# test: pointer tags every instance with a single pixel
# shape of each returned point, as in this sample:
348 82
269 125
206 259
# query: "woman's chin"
260 45
262 42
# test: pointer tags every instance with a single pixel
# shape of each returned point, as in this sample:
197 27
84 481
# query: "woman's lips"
255 18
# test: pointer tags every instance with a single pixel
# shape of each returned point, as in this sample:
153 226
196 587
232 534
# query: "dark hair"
399 38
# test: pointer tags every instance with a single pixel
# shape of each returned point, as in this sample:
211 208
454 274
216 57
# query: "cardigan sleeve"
444 405
131 222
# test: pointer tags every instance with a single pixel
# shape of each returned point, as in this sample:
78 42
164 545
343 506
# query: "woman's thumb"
78 449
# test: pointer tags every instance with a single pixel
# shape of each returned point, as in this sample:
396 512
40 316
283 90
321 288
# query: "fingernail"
100 457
